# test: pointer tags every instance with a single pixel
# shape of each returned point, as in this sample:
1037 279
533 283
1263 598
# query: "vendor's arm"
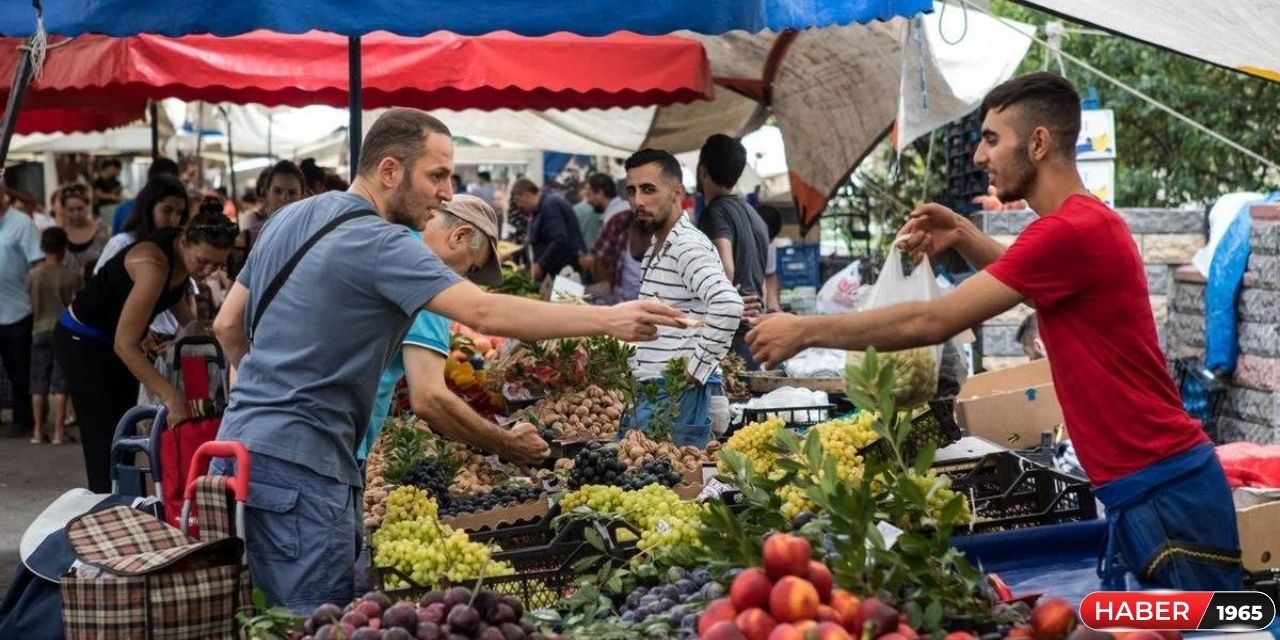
453 418
515 317
933 228
149 269
704 275
778 337
229 325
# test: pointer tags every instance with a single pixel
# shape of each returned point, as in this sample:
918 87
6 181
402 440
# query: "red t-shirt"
1081 268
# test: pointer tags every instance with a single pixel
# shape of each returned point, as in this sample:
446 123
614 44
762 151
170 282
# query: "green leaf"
593 538
259 600
924 458
933 615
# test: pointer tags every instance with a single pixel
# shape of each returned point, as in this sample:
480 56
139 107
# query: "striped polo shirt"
686 273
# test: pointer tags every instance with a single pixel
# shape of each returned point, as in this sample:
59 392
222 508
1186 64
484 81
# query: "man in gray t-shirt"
305 389
735 228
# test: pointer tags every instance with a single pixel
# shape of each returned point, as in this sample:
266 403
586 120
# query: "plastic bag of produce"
839 294
916 370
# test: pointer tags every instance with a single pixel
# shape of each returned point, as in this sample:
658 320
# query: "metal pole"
155 130
231 164
21 79
200 144
355 105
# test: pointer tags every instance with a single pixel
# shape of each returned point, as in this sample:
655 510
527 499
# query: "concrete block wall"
1166 238
1252 409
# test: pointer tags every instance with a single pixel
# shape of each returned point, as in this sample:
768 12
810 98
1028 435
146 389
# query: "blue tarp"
420 17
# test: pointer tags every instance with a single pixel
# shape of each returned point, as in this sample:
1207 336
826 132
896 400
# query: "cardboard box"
1010 407
1259 545
527 513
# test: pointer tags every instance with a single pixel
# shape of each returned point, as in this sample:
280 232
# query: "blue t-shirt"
19 247
307 386
121 214
429 331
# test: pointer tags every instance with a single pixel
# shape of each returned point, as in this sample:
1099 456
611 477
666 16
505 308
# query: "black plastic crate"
542 573
1008 491
1202 392
795 417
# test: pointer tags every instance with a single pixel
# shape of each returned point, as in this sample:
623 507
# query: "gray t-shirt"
732 218
306 388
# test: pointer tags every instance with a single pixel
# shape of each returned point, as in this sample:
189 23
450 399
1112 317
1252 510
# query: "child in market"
51 286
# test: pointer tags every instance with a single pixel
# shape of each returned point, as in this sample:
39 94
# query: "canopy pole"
21 79
231 164
355 105
154 110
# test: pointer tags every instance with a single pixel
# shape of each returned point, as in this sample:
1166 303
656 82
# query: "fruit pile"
793 598
598 464
453 615
676 600
505 496
732 367
664 520
635 447
915 378
589 414
375 488
413 541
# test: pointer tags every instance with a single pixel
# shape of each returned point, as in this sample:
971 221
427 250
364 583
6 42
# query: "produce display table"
1060 560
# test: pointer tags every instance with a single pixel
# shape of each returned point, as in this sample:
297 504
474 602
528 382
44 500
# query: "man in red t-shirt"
1169 508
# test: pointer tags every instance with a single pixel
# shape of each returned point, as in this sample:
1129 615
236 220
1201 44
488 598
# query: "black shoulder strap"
276 283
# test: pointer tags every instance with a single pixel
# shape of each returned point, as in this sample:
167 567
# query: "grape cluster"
413 541
500 497
664 520
431 475
755 442
676 601
597 464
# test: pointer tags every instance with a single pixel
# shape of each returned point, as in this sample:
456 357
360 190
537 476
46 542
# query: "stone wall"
1252 408
1165 237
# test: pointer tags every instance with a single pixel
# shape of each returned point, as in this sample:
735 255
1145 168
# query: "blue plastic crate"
799 265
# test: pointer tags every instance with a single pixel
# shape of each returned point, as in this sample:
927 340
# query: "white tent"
1237 34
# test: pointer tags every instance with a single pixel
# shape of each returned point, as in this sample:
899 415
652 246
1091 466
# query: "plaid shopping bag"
156 584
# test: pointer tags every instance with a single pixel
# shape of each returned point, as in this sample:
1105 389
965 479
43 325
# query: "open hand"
638 320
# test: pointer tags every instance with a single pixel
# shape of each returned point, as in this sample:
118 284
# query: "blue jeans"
1173 525
301 533
693 424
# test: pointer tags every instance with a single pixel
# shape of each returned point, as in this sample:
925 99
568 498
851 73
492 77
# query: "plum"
402 615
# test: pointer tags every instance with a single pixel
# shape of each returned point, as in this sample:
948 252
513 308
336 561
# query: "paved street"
31 477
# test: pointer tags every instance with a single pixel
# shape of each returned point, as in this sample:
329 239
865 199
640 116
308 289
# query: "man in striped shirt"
682 269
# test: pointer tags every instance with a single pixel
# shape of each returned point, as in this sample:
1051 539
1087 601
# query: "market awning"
420 17
75 119
1236 35
442 70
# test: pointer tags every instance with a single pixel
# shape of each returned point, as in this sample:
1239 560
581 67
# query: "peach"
960 635
786 555
907 632
828 614
881 617
1053 620
750 589
723 630
786 632
793 599
820 576
846 604
755 624
718 611
831 631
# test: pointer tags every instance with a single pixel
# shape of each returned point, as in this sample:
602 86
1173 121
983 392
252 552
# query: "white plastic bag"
916 370
839 292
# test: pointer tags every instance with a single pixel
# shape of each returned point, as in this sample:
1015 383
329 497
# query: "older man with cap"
463 232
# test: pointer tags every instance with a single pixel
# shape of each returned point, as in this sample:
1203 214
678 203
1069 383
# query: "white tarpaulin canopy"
1236 34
